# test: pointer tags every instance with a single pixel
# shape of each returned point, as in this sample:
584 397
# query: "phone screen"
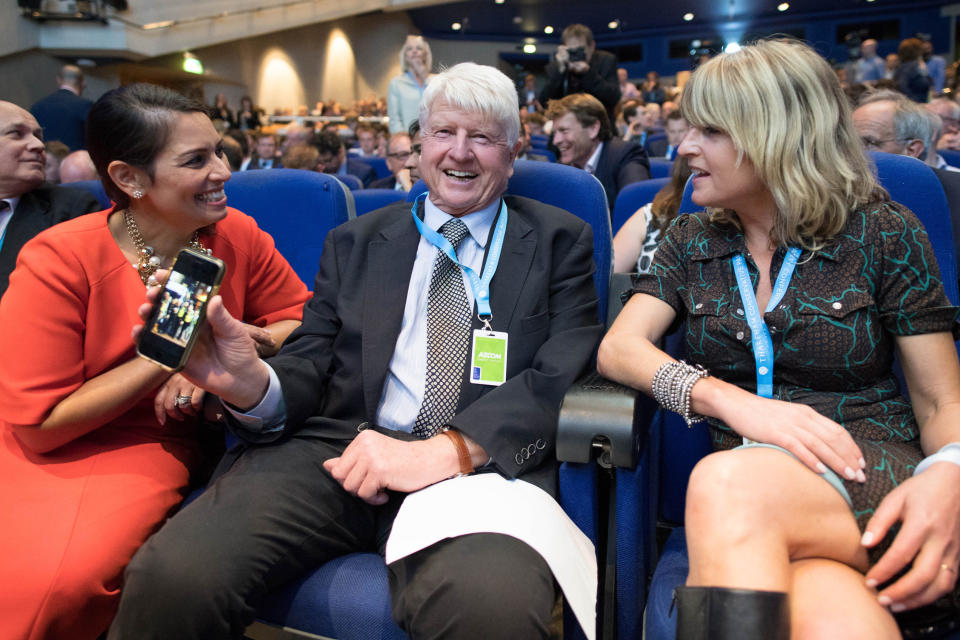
176 317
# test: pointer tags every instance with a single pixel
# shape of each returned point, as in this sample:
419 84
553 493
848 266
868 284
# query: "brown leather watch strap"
466 464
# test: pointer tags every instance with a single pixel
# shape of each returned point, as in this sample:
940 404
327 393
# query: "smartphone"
174 322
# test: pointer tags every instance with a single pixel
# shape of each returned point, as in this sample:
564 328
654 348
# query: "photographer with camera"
579 68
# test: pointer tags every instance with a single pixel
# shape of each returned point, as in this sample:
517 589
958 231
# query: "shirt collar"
67 87
478 222
591 166
14 201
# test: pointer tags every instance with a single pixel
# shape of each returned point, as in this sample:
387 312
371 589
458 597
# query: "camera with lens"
577 54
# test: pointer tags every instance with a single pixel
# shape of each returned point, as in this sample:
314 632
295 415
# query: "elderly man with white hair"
438 344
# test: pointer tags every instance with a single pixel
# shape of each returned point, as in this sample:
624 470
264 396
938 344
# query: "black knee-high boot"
718 613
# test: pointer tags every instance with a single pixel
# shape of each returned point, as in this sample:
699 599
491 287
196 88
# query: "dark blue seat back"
538 141
95 187
660 167
573 190
379 165
353 182
367 200
952 157
551 156
632 197
298 208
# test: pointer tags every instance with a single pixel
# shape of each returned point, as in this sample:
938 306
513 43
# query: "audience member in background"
397 153
651 91
77 167
667 108
296 134
911 76
578 67
639 122
628 90
936 66
403 94
232 151
221 115
302 156
829 520
366 141
63 113
334 159
98 444
638 238
870 67
891 62
676 131
27 205
243 139
264 155
584 137
887 121
528 95
412 165
310 486
536 122
383 138
949 112
526 152
248 116
56 151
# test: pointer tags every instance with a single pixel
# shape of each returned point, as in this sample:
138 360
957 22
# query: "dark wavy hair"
133 124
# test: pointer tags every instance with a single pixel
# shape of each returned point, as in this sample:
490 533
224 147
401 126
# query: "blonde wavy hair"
784 110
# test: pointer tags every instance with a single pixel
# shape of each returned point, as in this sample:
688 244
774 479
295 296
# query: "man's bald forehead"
9 111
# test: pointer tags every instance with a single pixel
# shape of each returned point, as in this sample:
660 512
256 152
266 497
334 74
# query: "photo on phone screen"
176 318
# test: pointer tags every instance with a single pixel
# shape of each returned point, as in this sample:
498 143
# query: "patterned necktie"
448 336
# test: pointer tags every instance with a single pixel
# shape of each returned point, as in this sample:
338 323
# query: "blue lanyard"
417 82
760 335
479 284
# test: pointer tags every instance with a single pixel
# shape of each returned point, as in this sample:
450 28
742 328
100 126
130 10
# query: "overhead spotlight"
732 47
499 1
613 24
548 29
456 26
529 48
517 19
696 44
783 6
687 17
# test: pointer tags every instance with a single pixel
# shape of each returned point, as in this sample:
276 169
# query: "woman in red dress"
96 444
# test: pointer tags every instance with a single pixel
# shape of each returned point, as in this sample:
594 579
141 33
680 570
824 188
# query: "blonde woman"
405 90
826 523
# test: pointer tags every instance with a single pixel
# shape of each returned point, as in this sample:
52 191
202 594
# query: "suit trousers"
276 515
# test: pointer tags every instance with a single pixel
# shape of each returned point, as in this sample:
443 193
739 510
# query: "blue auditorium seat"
379 165
660 167
538 141
952 157
367 200
94 187
909 182
348 598
632 197
353 182
296 207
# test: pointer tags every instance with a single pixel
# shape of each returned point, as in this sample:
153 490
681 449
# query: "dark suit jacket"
657 148
63 116
37 210
255 162
362 170
332 369
621 163
600 81
384 183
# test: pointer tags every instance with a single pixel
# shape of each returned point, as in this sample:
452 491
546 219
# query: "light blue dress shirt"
402 392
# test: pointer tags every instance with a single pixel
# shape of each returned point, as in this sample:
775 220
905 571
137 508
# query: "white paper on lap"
489 503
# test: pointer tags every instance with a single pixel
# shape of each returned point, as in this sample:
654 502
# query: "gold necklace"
147 262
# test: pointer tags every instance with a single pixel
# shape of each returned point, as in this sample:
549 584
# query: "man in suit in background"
526 150
27 205
334 158
264 155
63 113
582 133
578 67
376 386
676 130
398 150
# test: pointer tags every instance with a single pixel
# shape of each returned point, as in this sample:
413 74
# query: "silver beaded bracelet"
671 388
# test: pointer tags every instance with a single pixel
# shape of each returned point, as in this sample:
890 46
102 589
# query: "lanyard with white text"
479 284
762 344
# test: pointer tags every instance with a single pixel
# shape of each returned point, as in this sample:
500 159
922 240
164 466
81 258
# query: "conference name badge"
488 360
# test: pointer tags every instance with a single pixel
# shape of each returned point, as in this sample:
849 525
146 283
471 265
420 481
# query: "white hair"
428 62
478 89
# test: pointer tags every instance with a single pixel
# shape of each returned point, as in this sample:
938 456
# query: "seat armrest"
602 420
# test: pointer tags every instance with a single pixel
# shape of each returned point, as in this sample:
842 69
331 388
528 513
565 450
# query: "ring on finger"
183 401
946 567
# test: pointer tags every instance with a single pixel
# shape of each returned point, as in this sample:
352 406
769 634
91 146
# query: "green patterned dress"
833 333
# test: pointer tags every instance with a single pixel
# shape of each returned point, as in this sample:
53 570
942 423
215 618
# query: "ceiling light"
613 24
498 1
548 29
783 6
517 19
732 47
456 26
529 48
688 17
